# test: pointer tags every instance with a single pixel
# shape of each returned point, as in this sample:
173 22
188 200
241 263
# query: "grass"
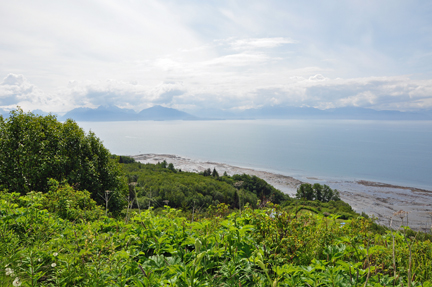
273 246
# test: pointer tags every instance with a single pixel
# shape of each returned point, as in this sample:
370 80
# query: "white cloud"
53 42
317 77
241 59
214 54
259 43
15 89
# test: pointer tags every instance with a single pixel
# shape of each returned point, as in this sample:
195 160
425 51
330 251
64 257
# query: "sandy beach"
374 198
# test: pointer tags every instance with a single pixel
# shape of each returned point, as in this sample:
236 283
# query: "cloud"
15 89
382 93
87 39
317 77
119 93
221 54
240 59
258 43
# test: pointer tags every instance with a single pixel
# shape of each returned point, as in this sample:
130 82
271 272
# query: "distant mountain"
283 113
357 113
100 114
277 112
112 113
159 113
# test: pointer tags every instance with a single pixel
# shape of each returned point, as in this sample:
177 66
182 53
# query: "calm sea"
396 152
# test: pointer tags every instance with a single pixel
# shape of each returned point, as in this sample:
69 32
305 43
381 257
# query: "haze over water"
395 152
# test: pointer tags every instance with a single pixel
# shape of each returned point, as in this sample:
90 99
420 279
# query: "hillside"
109 221
47 243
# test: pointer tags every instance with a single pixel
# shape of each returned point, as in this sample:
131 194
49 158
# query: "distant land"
277 112
159 113
113 113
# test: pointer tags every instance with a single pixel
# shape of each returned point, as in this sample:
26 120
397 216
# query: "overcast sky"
59 55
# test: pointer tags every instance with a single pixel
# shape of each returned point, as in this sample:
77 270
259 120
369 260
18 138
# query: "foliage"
161 184
317 192
62 200
258 186
68 203
340 208
124 159
58 235
261 247
35 148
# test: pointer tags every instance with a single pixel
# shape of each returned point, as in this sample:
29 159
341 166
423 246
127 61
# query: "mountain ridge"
113 113
160 113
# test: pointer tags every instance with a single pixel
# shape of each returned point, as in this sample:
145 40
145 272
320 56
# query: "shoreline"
377 199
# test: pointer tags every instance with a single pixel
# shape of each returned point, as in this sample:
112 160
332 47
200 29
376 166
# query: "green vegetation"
36 148
317 192
44 243
177 228
161 184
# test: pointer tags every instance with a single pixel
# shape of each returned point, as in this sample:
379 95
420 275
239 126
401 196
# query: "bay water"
395 152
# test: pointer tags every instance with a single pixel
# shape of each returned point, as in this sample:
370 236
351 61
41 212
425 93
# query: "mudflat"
380 200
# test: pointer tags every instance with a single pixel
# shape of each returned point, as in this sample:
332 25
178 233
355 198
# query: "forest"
72 214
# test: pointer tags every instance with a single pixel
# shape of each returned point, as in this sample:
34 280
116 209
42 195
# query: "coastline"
377 199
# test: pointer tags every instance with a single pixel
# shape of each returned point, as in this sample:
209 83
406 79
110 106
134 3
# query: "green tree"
171 167
36 148
260 188
215 173
207 172
164 164
236 200
305 191
317 192
329 194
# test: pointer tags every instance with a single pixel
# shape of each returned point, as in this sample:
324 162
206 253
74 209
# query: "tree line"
161 184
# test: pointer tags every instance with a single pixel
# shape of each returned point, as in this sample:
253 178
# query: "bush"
318 192
64 201
35 148
70 204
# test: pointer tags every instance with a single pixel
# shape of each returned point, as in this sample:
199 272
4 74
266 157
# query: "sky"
192 54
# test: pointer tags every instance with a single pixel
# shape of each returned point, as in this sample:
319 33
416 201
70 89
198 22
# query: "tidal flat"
381 200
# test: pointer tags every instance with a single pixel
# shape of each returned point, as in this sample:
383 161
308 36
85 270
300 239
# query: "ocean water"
395 152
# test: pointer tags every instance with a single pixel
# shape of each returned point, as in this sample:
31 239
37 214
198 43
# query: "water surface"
397 152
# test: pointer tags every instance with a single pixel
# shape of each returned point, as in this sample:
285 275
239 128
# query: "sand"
376 199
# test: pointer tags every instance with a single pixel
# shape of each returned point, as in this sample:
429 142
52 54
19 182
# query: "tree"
207 172
317 192
164 164
171 167
305 191
35 148
215 173
236 200
330 194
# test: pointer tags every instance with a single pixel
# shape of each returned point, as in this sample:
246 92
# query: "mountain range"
113 113
159 113
277 112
